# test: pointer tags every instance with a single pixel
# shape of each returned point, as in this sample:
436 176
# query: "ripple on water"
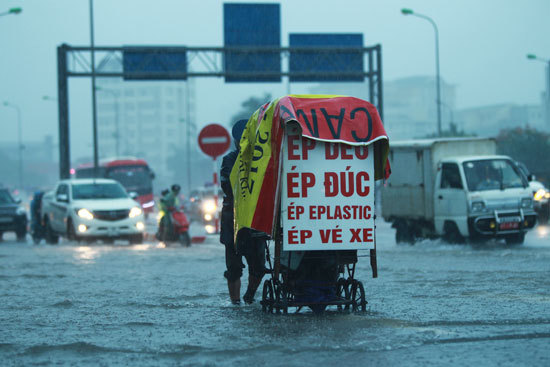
63 304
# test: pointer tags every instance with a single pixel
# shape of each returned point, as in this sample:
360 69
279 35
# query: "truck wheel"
71 232
515 239
51 237
403 233
451 233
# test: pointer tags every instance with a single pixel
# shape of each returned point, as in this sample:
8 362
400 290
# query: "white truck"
458 189
91 209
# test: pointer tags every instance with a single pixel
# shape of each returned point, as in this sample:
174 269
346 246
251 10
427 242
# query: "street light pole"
437 78
547 62
117 130
19 140
94 108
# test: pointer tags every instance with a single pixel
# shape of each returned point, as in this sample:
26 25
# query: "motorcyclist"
251 247
169 202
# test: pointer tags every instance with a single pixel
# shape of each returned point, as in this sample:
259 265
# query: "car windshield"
5 197
131 176
98 191
492 174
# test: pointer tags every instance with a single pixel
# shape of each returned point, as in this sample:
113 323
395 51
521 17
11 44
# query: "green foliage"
249 106
527 145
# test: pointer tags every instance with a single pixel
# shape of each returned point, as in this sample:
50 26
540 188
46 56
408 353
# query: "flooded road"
142 305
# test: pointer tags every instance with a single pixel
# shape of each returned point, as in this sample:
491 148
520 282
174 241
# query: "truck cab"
480 197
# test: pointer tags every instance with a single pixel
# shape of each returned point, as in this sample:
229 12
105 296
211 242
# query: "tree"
249 106
529 146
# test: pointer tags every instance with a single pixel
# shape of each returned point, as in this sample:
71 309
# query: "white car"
91 209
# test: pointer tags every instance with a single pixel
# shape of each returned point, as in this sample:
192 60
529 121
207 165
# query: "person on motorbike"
249 244
169 202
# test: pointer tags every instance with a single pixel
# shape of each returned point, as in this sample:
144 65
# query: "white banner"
327 195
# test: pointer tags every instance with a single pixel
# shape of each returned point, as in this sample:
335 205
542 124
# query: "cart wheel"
342 292
267 297
358 296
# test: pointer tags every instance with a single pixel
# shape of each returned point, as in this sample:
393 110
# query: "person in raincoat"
250 245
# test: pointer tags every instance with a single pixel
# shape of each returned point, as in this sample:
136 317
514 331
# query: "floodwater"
432 304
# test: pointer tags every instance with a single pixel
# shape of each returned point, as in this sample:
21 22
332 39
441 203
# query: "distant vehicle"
133 173
541 195
458 189
91 209
204 207
13 217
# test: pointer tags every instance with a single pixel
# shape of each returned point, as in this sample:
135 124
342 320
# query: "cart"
305 177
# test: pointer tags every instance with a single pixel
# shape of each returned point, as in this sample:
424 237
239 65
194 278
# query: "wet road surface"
433 304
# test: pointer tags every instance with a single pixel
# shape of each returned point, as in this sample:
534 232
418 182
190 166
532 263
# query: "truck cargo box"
409 191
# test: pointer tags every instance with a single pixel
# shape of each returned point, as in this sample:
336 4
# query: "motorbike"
178 232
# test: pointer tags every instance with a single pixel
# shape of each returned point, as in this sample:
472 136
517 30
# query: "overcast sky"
483 47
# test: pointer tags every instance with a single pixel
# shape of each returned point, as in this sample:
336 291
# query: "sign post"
214 140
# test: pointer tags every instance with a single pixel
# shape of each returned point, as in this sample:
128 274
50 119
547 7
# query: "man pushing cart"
305 177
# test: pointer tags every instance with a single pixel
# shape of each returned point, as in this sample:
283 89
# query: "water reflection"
542 231
86 253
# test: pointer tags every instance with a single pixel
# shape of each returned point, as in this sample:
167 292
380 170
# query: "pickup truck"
91 209
458 189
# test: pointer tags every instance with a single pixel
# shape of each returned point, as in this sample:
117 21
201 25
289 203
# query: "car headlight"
526 203
478 206
540 195
134 212
85 213
209 206
20 211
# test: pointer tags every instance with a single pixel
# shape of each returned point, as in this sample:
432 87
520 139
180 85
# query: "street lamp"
20 141
547 62
437 78
115 94
13 11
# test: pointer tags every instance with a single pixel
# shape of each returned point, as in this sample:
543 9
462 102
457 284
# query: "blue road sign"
254 26
332 61
155 63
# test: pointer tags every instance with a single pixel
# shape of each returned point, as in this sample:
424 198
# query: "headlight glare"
20 211
134 212
540 194
209 206
85 214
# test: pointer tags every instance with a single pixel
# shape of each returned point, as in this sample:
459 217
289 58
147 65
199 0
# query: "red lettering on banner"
331 151
292 147
293 237
331 184
304 235
308 180
362 189
365 232
345 151
325 235
307 145
291 184
294 212
362 151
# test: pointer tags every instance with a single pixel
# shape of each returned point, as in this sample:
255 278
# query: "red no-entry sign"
214 140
